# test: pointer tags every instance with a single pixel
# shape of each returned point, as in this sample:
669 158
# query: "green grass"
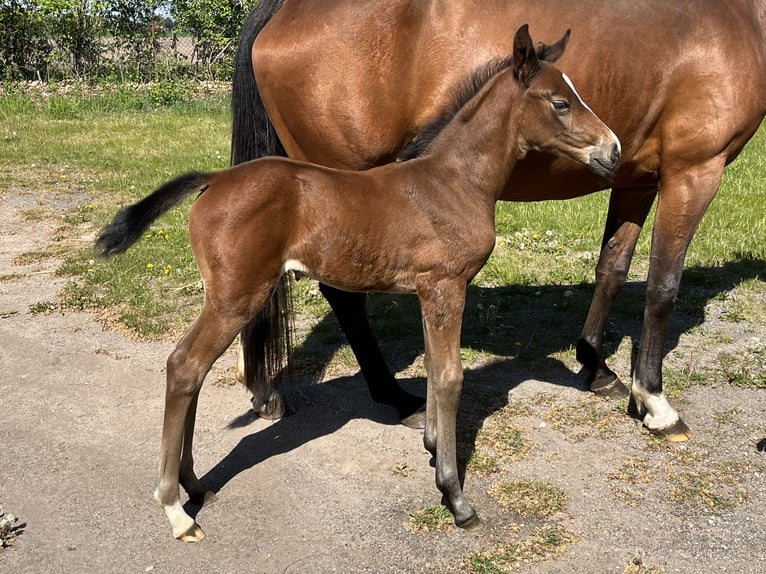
87 151
431 518
530 498
88 154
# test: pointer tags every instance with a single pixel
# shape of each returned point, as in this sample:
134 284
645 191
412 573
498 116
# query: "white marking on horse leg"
659 414
240 374
181 522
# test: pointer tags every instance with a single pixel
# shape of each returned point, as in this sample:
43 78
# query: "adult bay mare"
425 226
683 84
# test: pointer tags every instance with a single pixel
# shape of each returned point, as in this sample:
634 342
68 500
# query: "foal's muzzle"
606 159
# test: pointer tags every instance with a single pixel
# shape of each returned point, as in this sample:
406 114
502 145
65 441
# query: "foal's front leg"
442 305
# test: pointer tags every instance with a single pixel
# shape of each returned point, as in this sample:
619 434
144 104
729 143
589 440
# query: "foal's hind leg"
186 369
627 212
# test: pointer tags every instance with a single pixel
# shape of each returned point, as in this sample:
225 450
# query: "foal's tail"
132 221
266 340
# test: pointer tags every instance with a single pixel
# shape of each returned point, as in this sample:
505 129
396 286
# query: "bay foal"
425 226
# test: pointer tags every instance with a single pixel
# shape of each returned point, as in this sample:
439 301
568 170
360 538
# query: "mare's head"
553 118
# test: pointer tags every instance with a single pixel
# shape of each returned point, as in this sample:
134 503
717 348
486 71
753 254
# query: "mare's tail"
266 340
132 221
252 134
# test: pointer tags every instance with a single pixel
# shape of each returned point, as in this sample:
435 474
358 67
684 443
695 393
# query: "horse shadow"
321 409
530 323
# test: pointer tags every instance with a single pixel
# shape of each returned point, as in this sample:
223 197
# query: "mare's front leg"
351 311
684 197
442 305
628 209
186 369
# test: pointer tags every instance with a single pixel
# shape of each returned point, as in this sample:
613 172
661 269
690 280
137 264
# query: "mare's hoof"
273 409
677 432
761 446
194 534
473 524
416 420
611 387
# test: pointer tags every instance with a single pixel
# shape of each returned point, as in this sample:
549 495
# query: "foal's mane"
471 86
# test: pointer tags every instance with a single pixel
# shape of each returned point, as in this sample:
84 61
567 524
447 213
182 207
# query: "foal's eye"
561 106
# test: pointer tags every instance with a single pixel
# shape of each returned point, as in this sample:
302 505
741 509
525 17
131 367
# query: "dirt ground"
80 418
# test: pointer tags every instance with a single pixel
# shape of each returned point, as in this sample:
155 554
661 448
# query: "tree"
74 26
24 47
215 24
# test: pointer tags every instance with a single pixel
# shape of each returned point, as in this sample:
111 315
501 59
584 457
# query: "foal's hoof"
677 432
610 386
416 420
473 524
194 534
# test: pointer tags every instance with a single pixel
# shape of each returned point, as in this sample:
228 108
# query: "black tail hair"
267 339
252 134
132 221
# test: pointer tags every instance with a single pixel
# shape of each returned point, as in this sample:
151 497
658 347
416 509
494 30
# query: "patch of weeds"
471 356
677 381
345 356
10 278
31 257
80 215
431 518
726 417
401 469
634 471
543 544
224 381
503 439
43 308
77 297
308 299
7 314
8 529
745 369
530 498
482 464
543 399
714 488
593 413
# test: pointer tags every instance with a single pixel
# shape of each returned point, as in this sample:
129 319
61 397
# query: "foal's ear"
553 52
525 63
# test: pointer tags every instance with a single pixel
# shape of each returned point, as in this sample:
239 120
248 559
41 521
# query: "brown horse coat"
682 83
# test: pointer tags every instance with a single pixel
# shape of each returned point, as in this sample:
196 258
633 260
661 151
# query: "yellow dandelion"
150 265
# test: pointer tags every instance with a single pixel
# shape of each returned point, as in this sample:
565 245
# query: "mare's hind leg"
350 309
628 209
442 304
186 369
684 197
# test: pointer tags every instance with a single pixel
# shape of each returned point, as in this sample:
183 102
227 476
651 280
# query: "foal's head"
553 117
